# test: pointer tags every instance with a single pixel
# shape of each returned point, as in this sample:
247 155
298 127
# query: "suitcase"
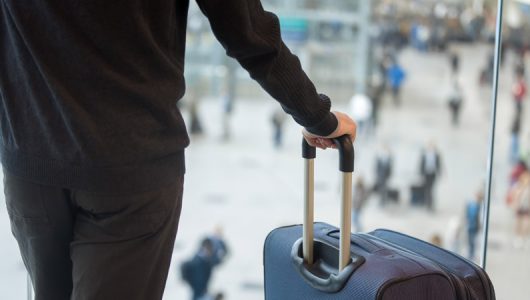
392 195
417 194
318 261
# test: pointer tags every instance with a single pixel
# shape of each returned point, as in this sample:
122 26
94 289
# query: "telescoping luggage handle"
319 272
346 161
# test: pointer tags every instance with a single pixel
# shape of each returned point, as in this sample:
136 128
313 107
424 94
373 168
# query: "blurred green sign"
294 29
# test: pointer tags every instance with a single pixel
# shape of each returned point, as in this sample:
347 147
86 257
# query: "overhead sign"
294 29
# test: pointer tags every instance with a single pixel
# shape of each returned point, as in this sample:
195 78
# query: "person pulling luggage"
92 142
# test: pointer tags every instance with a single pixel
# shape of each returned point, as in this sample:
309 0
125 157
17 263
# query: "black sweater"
88 88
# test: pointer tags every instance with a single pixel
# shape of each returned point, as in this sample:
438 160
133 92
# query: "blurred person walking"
92 141
455 102
219 246
486 74
361 109
378 86
518 169
454 62
227 103
396 76
525 151
384 63
376 92
520 63
197 271
383 170
360 195
515 151
278 120
473 213
521 204
195 121
228 97
519 92
430 168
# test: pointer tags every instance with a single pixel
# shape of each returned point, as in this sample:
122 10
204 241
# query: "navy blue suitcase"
318 261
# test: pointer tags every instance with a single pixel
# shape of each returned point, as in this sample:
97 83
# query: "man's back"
92 86
89 87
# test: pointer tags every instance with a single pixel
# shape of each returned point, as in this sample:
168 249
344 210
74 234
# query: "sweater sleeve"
251 35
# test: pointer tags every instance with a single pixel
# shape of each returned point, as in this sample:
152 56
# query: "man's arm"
252 36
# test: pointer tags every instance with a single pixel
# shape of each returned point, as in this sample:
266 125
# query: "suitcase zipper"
362 243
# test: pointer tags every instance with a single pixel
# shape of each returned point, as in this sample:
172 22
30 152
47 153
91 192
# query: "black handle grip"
346 152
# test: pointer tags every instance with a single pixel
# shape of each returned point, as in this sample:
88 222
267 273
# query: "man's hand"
345 126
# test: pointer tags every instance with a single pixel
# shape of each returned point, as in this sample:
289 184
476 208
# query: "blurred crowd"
431 27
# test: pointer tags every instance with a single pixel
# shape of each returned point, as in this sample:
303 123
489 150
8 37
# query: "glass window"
417 78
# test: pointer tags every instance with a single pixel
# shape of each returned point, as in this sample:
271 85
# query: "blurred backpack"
186 270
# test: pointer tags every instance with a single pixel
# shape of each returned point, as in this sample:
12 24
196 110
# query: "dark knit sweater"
88 88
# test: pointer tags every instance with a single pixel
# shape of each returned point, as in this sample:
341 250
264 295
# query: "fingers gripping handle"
346 165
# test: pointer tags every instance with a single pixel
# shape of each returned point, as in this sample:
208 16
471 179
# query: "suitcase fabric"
382 265
470 281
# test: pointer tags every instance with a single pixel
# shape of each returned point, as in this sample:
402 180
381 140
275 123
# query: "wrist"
326 126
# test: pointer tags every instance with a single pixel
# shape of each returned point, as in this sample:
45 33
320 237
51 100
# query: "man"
383 171
198 270
519 92
430 167
455 102
92 142
361 108
454 60
473 211
396 76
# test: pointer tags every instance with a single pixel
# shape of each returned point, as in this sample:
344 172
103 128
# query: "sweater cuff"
326 125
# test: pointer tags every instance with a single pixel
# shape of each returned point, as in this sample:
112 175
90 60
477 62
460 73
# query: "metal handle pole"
309 204
486 219
346 160
345 220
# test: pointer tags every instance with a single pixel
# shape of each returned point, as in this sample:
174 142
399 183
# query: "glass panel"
416 75
441 100
509 246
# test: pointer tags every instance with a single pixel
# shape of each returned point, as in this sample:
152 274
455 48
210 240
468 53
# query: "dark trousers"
77 245
396 95
518 108
471 242
429 186
278 134
382 189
